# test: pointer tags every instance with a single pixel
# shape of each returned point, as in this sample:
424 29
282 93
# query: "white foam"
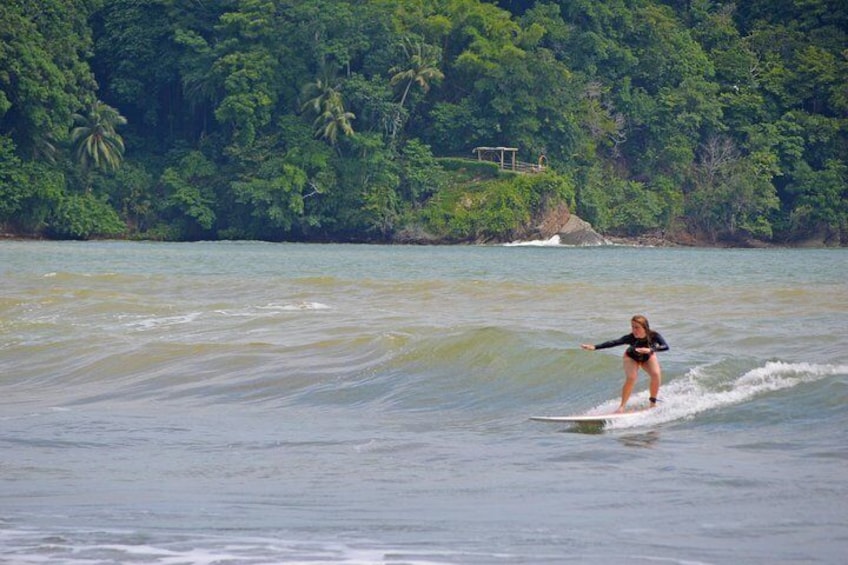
152 323
77 548
699 391
293 306
305 306
552 242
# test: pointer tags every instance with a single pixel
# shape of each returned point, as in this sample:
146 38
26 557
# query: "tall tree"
421 67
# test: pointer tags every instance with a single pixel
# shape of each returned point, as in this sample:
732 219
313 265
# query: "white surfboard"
589 418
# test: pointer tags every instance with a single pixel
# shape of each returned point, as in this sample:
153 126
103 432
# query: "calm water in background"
246 403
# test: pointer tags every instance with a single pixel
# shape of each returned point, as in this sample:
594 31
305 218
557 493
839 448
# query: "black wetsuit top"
655 342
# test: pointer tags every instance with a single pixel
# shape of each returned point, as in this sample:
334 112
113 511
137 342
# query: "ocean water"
255 403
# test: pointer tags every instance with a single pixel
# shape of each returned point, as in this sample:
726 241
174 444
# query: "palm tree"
328 104
333 119
422 67
319 92
94 138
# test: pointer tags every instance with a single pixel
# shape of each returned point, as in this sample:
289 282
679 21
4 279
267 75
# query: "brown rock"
579 232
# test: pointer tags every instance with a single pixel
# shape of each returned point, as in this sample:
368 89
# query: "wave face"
255 403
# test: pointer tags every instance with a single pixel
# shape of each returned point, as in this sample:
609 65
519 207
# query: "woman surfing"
642 344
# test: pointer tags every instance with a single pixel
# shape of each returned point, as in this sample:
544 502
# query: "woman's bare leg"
652 367
631 373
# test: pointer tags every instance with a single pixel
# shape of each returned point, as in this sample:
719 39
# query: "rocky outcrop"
576 231
558 221
551 221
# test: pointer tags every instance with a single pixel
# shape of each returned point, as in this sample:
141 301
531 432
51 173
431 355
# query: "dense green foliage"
354 119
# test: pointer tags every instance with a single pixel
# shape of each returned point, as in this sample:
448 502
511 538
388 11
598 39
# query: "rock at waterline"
576 231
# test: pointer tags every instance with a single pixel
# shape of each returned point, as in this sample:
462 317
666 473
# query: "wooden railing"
505 157
530 168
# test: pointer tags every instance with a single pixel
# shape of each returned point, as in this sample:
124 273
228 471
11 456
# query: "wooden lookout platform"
506 158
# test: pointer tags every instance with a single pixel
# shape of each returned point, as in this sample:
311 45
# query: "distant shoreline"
632 241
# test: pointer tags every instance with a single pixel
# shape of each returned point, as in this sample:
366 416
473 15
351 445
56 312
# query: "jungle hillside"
357 120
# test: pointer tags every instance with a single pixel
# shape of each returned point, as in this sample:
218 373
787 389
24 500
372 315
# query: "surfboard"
588 418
